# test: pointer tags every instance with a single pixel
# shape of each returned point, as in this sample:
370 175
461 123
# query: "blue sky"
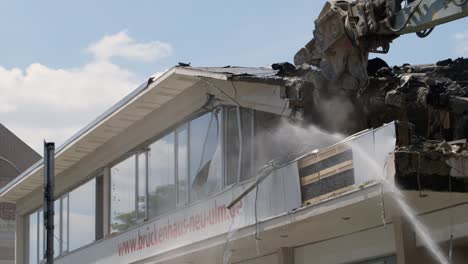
47 44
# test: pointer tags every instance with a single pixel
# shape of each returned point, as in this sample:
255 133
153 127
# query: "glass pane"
141 185
32 246
247 144
267 130
231 145
57 228
161 176
182 165
123 195
205 156
41 235
82 203
65 223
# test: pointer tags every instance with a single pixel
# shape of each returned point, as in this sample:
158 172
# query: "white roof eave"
74 149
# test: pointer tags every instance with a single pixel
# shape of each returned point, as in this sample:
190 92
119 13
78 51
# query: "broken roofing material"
432 166
431 100
433 97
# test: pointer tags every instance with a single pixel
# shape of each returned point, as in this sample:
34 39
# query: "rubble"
433 97
432 165
429 101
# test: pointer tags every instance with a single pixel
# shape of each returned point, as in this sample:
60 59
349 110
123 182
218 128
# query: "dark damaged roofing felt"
234 71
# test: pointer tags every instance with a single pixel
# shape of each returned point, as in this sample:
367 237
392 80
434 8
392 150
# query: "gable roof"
148 97
16 155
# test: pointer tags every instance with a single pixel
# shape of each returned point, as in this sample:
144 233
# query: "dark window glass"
247 128
161 176
232 144
266 141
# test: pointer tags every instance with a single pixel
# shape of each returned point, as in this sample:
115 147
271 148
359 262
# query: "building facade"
202 165
15 156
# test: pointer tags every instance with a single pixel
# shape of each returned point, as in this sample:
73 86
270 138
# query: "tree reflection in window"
123 194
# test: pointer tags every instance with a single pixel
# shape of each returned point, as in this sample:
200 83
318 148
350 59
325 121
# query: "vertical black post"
49 183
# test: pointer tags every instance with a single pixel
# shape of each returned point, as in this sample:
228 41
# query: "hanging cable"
389 25
424 33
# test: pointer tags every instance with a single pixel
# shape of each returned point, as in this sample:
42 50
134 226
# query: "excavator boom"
429 14
347 31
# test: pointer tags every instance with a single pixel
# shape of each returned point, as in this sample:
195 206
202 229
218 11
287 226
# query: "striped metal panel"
326 173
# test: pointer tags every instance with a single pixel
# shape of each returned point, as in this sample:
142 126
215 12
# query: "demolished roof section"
432 166
433 97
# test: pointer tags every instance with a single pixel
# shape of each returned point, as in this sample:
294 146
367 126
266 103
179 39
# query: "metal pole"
49 182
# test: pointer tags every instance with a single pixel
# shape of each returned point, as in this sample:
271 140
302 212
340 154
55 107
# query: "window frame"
36 212
135 153
143 149
176 129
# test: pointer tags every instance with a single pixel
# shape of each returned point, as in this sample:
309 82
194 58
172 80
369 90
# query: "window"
41 238
190 163
32 238
128 192
35 239
239 133
57 228
64 222
123 185
161 176
232 144
271 140
205 155
142 166
182 166
81 215
247 132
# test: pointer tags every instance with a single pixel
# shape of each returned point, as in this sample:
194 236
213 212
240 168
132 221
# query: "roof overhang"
147 98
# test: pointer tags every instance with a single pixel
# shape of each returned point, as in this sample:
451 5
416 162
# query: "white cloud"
461 43
41 102
123 46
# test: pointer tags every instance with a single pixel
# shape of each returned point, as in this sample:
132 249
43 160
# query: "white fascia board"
200 73
100 120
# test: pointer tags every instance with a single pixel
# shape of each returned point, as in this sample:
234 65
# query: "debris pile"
433 97
432 165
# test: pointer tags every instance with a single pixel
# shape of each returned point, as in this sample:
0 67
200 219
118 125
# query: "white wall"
269 259
354 247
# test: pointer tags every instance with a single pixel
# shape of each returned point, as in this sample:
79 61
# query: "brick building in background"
15 157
